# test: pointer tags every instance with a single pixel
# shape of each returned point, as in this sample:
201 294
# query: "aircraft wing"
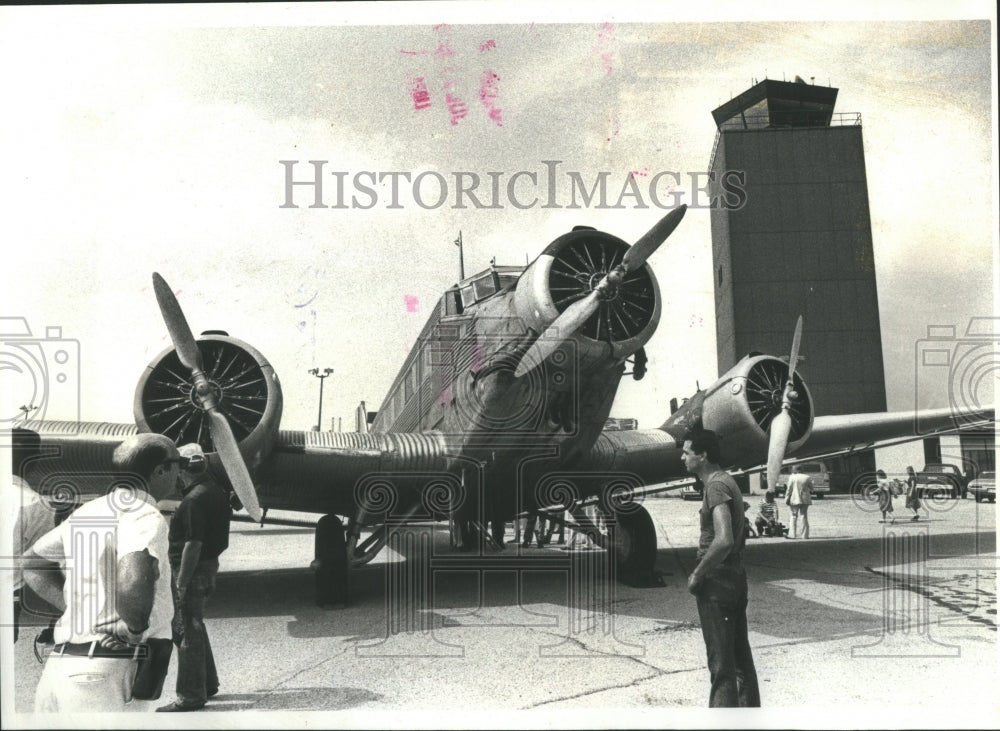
853 432
653 456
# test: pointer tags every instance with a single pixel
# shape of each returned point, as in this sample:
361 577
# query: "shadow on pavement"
446 588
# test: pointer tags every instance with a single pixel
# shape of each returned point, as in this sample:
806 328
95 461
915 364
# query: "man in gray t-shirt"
719 581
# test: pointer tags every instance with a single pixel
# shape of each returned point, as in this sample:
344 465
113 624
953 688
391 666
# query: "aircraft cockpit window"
468 296
484 287
507 280
452 303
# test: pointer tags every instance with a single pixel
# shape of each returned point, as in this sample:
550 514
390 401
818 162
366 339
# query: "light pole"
461 257
326 372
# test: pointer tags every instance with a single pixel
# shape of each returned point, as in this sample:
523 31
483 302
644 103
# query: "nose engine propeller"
222 433
574 316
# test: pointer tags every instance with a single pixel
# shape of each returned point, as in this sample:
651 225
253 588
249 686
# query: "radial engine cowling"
741 405
246 388
568 270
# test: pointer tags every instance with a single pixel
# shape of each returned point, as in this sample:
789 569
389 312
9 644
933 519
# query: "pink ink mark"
612 125
487 46
489 94
444 48
421 96
456 107
411 302
413 53
640 173
605 37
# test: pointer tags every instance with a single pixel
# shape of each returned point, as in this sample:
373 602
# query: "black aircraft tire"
332 573
634 542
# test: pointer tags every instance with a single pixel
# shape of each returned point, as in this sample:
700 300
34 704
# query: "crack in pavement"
270 691
657 672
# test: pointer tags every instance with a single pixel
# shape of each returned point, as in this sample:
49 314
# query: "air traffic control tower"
801 244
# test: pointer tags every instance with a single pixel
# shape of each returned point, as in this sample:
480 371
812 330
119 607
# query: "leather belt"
94 649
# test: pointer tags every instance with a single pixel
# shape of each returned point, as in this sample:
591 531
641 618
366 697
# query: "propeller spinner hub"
209 396
774 397
606 283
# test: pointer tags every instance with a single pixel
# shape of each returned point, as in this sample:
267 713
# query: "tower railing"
784 119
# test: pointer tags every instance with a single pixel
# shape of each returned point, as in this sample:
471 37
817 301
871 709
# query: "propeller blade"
561 328
642 249
232 460
794 357
222 433
781 426
177 326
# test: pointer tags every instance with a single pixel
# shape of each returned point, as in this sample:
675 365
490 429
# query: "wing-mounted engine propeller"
574 316
781 424
222 433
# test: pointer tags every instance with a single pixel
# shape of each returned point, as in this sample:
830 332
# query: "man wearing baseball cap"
199 533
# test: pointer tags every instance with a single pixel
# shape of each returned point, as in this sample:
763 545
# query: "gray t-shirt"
720 488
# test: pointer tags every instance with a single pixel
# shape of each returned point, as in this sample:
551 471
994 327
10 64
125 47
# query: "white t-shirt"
88 546
26 517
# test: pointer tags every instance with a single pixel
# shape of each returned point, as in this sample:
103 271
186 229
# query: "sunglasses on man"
187 464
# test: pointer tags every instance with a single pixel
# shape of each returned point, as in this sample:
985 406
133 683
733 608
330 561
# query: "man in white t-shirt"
26 516
113 554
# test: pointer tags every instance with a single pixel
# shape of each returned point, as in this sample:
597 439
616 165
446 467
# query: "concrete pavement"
865 624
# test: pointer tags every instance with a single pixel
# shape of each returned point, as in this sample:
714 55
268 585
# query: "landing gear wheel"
330 564
632 536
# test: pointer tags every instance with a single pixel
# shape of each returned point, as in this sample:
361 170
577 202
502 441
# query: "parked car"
984 487
692 491
816 470
938 479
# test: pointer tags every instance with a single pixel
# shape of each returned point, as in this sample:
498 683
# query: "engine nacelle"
740 406
246 389
569 269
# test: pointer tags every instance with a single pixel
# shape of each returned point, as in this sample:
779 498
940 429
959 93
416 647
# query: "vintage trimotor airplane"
498 410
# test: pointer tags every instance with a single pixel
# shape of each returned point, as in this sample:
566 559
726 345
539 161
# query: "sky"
150 139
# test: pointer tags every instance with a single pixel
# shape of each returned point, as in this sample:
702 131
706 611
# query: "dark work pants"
196 674
722 607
